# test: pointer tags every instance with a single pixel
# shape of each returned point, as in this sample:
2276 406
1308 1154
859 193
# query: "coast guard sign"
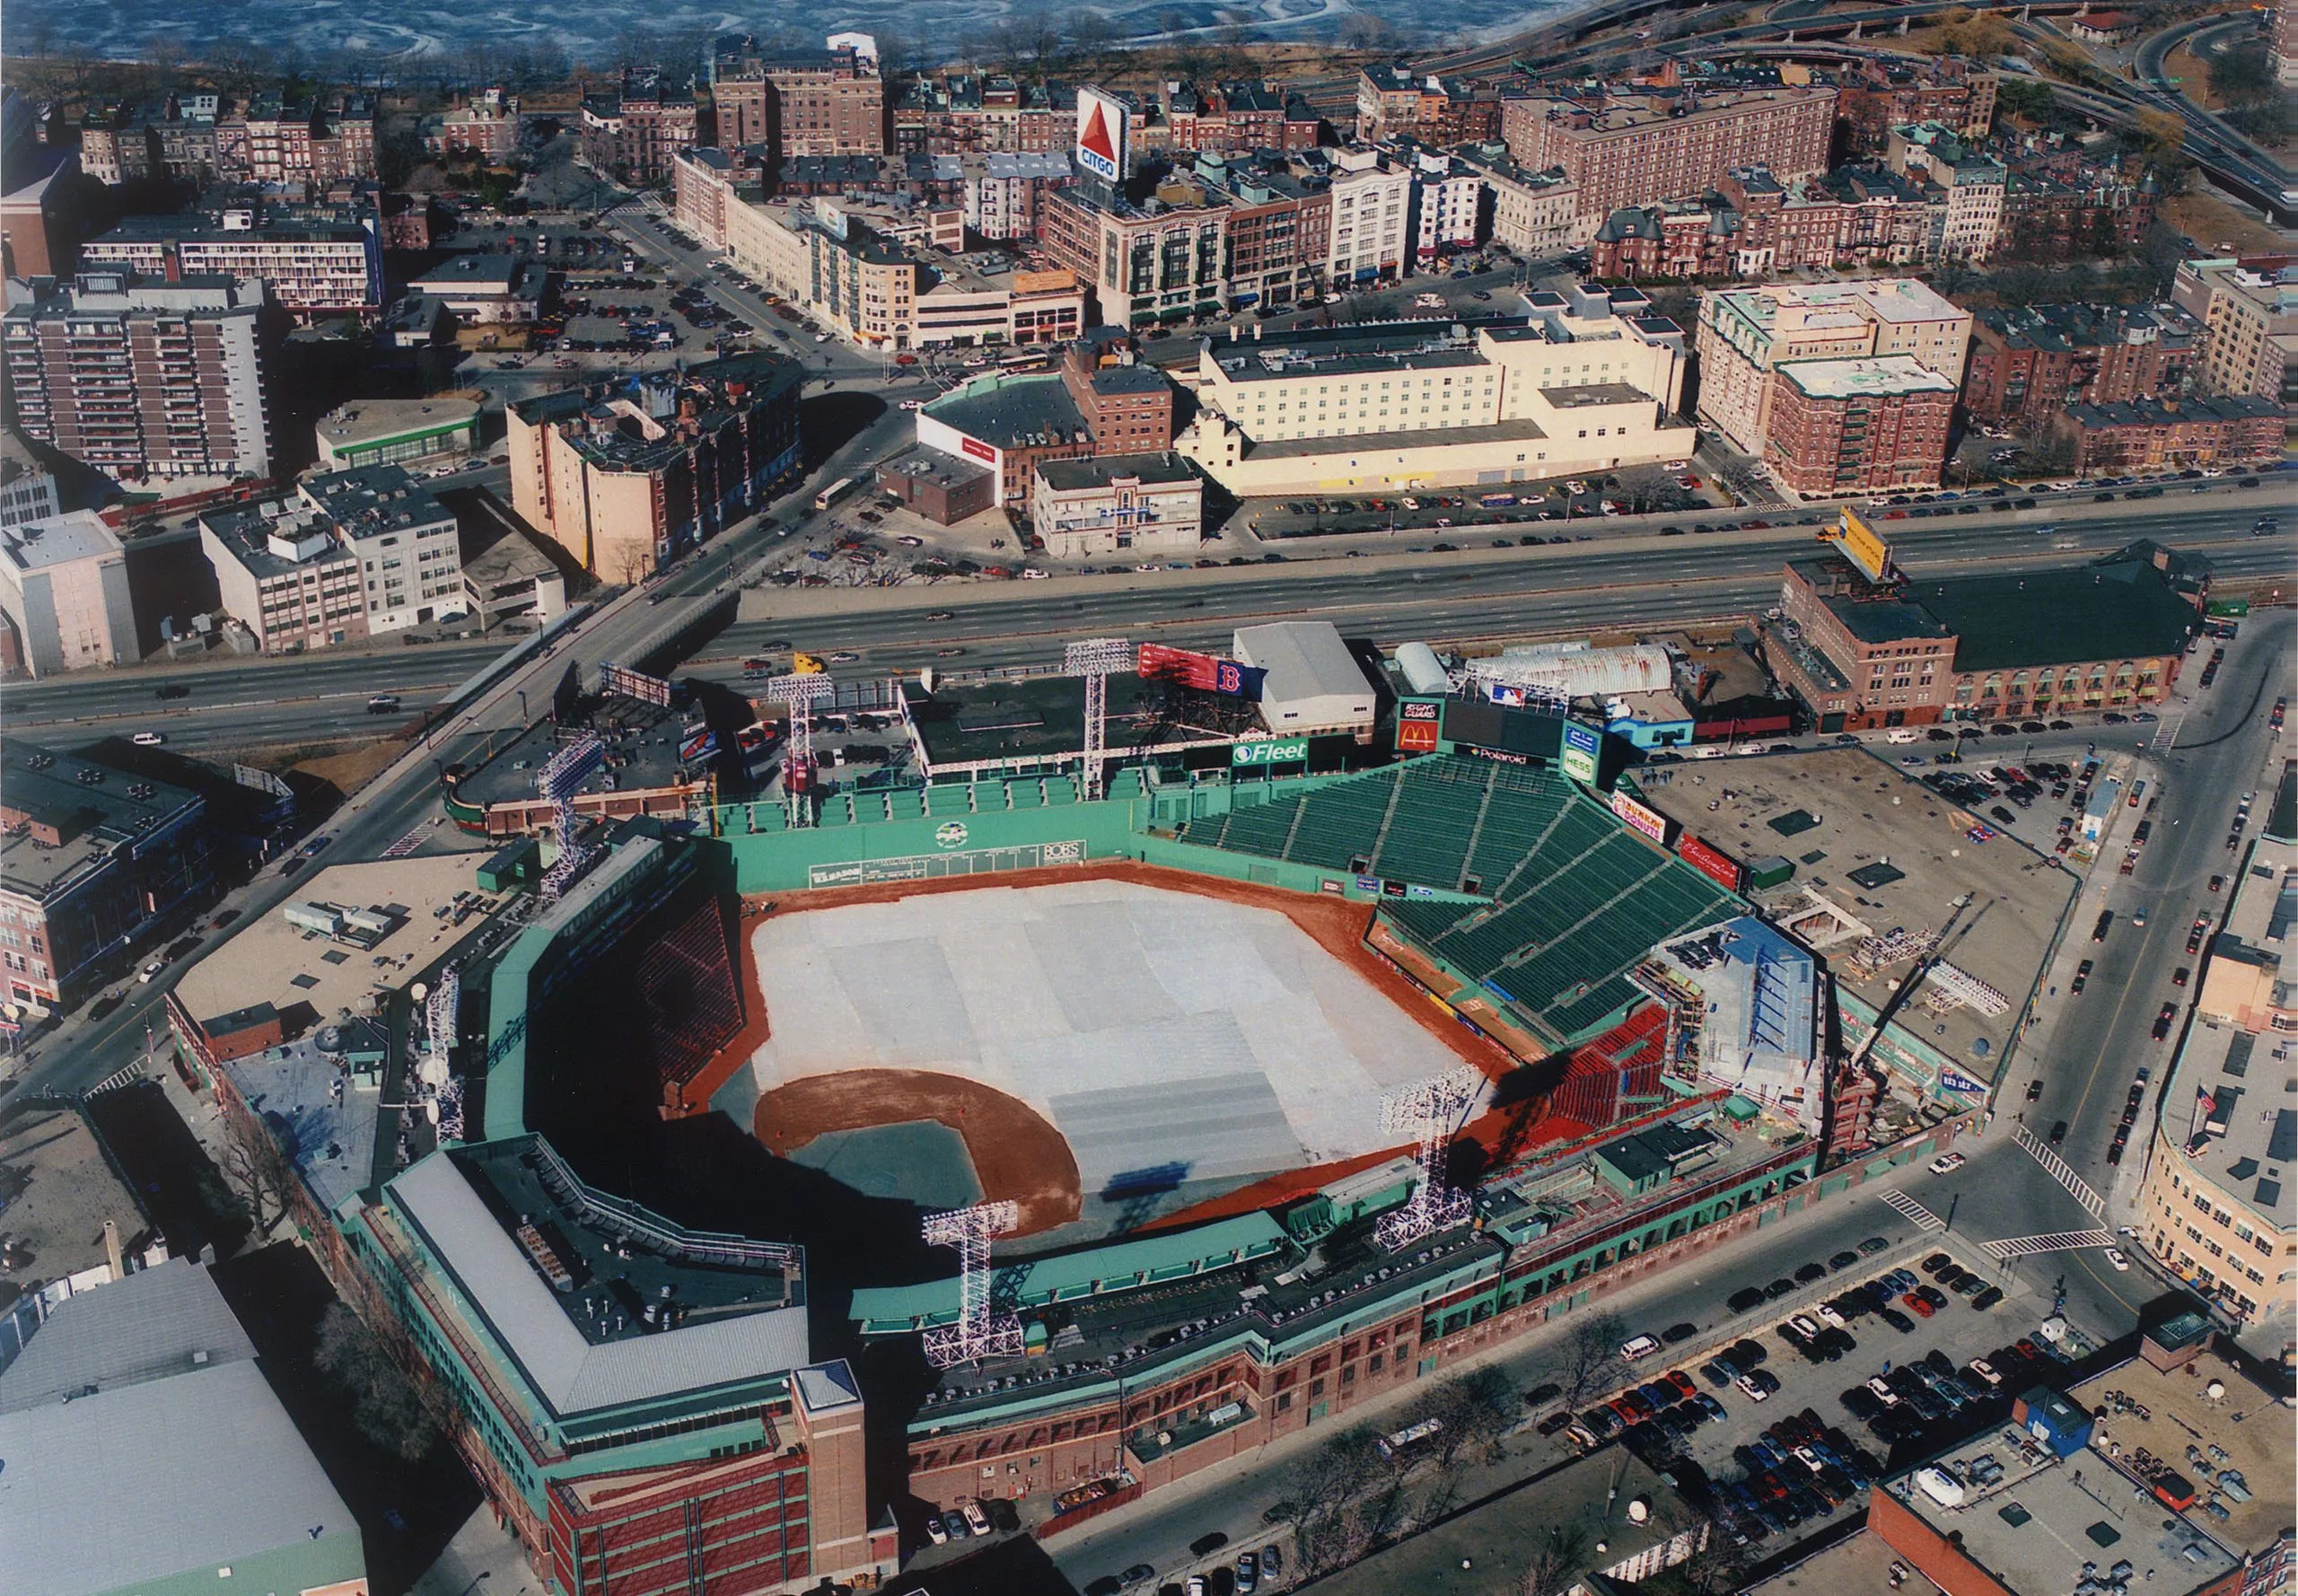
1101 146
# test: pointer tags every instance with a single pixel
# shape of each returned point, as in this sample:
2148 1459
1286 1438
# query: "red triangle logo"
1095 140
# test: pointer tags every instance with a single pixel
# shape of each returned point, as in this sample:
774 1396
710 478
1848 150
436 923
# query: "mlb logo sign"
1101 148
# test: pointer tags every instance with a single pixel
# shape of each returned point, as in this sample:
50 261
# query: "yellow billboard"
1869 552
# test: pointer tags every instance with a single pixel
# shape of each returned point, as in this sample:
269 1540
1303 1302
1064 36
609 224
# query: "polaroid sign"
1581 745
1101 135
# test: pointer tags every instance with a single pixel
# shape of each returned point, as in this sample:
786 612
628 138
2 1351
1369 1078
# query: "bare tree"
1591 1356
256 1168
386 1406
1554 1561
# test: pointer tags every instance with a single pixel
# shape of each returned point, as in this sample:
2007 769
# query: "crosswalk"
2010 1247
1924 1219
407 843
2058 1170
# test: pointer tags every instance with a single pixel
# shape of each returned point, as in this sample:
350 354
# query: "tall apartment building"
1747 333
1639 146
627 484
315 259
91 863
2250 313
2028 362
316 142
1448 204
1005 192
636 132
800 102
64 587
1392 102
964 114
707 182
1844 427
144 379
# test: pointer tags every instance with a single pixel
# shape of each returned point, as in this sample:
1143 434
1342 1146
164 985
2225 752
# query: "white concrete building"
1372 210
1117 504
1448 206
1313 684
410 561
64 587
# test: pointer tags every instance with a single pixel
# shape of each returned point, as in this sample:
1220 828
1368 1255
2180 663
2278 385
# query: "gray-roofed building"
486 288
1313 684
146 1453
91 861
617 1365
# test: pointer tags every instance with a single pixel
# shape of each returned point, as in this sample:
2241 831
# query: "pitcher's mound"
1016 1153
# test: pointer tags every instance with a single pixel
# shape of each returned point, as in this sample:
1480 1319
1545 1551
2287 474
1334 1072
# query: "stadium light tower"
979 1333
799 693
1432 1109
562 775
1096 659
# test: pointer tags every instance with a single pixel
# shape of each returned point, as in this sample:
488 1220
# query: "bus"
1405 1441
836 491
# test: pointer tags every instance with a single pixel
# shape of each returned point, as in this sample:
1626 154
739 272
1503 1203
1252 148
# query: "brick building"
1623 146
1841 427
1863 652
2249 308
487 125
2027 361
800 102
1105 399
637 133
1159 261
1879 92
2147 435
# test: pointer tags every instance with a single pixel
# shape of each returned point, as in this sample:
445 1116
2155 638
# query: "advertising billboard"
1101 147
1722 871
1273 750
1207 673
978 449
1581 746
1418 726
634 684
1860 544
1640 816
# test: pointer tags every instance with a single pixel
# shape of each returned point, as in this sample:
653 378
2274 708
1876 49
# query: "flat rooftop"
1480 1552
1007 411
1500 432
2035 1528
58 541
1869 811
1866 377
79 813
574 1283
63 1190
268 959
373 420
330 1122
2116 607
2246 1423
641 743
919 463
1039 721
1071 475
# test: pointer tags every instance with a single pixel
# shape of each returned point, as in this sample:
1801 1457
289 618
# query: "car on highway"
148 739
2115 1257
311 849
151 972
1947 1164
2082 976
1208 1543
2057 1133
173 689
2163 1018
2181 975
843 657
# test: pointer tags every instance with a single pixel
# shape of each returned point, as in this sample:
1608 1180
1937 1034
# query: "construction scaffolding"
1432 1110
979 1333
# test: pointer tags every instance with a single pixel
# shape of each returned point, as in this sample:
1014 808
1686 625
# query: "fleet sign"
1640 816
1276 751
1101 135
1580 744
1724 872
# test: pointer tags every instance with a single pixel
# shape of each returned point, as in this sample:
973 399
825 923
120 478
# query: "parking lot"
1791 1406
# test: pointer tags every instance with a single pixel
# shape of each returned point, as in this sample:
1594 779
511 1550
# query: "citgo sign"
1282 751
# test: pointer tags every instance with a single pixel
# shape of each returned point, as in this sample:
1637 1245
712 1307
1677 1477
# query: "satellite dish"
418 992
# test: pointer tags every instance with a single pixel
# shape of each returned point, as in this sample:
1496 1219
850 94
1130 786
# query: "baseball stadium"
1042 1138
